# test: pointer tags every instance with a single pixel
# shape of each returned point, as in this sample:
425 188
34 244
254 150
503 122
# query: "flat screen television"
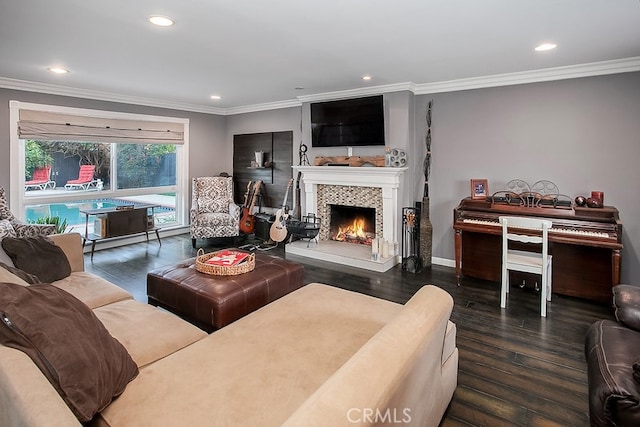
348 122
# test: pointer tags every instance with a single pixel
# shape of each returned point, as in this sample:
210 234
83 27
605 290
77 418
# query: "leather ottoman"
212 302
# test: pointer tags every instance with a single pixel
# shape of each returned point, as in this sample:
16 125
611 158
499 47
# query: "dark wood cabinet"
124 222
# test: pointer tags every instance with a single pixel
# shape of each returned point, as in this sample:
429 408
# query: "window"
66 159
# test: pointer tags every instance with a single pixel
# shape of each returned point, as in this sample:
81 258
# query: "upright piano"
585 244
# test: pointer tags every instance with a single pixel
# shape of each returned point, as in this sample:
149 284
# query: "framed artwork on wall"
479 188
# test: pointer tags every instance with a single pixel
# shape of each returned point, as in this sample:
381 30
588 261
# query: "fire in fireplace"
352 224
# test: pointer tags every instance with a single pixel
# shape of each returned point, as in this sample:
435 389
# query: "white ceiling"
253 52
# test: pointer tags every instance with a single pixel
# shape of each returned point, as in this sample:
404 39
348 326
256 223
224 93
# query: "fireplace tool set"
411 260
307 228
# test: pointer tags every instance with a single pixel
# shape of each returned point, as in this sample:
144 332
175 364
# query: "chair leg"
505 288
543 298
549 286
193 243
543 294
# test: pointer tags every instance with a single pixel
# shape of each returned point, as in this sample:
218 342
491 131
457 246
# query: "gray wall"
209 152
582 134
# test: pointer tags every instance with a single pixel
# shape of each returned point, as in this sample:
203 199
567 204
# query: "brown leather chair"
612 350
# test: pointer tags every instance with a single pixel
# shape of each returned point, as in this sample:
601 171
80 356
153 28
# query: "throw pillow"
29 278
6 229
72 348
38 256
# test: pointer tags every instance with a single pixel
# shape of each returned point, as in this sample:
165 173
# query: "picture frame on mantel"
479 188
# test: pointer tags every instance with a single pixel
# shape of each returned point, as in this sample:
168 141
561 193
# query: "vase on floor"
426 233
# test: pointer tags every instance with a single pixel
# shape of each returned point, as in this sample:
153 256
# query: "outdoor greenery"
61 225
89 153
35 157
138 165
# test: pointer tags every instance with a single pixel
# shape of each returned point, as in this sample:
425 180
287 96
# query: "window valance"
47 126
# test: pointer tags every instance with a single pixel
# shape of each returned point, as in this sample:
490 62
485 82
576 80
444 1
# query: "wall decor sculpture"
426 228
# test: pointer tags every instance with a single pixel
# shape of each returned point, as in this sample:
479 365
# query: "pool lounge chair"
41 179
85 178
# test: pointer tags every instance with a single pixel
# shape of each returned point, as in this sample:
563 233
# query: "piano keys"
586 245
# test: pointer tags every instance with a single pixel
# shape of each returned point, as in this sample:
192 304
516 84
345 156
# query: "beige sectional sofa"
319 356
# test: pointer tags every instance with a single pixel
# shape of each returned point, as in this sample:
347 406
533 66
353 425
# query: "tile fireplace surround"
375 187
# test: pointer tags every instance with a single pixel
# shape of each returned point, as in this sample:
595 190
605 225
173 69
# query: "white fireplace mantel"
389 180
345 175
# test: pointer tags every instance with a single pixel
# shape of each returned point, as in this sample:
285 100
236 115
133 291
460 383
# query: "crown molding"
625 65
263 107
354 93
104 96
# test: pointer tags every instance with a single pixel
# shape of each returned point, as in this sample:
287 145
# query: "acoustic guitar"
278 231
248 222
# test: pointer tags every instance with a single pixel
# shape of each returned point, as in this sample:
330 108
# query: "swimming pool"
71 210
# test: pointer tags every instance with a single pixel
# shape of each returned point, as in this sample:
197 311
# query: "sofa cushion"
27 277
39 256
7 276
92 290
626 302
398 371
148 333
300 339
26 396
71 244
64 338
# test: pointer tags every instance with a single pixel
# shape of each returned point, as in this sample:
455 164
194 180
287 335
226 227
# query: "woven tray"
223 270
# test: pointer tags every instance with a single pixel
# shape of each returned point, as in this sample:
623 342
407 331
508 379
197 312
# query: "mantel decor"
426 228
353 161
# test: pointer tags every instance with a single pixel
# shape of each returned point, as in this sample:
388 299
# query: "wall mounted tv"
348 123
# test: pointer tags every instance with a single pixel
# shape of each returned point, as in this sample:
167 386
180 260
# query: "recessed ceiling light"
545 46
161 21
58 70
215 97
298 88
366 77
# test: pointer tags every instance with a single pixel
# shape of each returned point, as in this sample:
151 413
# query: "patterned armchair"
213 212
8 222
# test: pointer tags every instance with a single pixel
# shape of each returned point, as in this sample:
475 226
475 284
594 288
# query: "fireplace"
374 190
352 224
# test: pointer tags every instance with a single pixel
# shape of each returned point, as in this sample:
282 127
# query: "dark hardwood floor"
515 369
